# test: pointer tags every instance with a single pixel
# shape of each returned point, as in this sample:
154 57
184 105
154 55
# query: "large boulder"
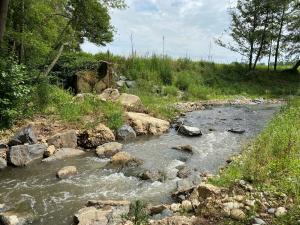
144 124
131 102
124 159
67 139
66 171
109 94
95 137
3 164
189 131
21 155
63 154
126 133
25 135
109 149
89 81
12 218
102 213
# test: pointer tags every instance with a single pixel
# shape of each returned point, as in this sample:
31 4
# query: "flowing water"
35 188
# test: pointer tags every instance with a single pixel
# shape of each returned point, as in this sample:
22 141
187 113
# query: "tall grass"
272 161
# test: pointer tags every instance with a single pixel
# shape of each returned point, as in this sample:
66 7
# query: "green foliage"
183 81
272 160
138 213
166 74
88 111
15 91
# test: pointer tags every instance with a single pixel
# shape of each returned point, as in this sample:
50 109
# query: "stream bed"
35 188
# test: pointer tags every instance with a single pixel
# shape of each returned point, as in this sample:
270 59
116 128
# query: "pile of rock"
125 82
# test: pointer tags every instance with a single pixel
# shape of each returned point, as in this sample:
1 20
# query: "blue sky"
189 26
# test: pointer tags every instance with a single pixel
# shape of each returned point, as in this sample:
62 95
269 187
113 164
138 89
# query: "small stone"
239 198
232 205
189 131
281 211
259 221
186 206
175 207
124 159
50 151
66 172
237 214
126 133
250 203
271 211
184 172
157 209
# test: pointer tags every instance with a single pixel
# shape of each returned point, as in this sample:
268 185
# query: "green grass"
88 112
272 161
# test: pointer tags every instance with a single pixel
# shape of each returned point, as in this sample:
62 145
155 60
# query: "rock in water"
11 218
96 137
66 171
131 103
189 131
126 133
236 130
50 151
152 175
63 154
124 159
102 213
186 148
21 155
25 135
109 149
3 164
66 139
144 124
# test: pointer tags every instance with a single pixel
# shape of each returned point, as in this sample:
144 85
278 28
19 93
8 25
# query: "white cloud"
189 26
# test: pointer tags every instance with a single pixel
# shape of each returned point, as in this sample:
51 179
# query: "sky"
189 28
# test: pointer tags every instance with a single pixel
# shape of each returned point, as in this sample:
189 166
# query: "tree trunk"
295 68
279 38
263 37
50 67
3 17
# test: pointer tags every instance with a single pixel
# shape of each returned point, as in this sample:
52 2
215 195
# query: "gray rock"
236 130
185 148
123 78
66 139
102 212
271 211
166 213
64 153
120 83
130 84
189 131
3 164
126 133
21 155
12 218
259 221
25 135
184 172
152 175
237 214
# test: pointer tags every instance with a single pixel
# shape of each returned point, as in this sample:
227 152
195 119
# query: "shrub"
165 74
138 214
170 91
14 92
183 81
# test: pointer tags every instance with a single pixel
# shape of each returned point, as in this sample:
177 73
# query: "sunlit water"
35 188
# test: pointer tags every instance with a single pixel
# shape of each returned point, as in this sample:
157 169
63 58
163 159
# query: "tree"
3 16
246 21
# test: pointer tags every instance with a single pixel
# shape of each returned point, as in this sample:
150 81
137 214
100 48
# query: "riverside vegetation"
40 53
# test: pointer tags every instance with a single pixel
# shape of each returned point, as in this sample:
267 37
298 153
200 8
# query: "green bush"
15 92
183 81
165 74
170 91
